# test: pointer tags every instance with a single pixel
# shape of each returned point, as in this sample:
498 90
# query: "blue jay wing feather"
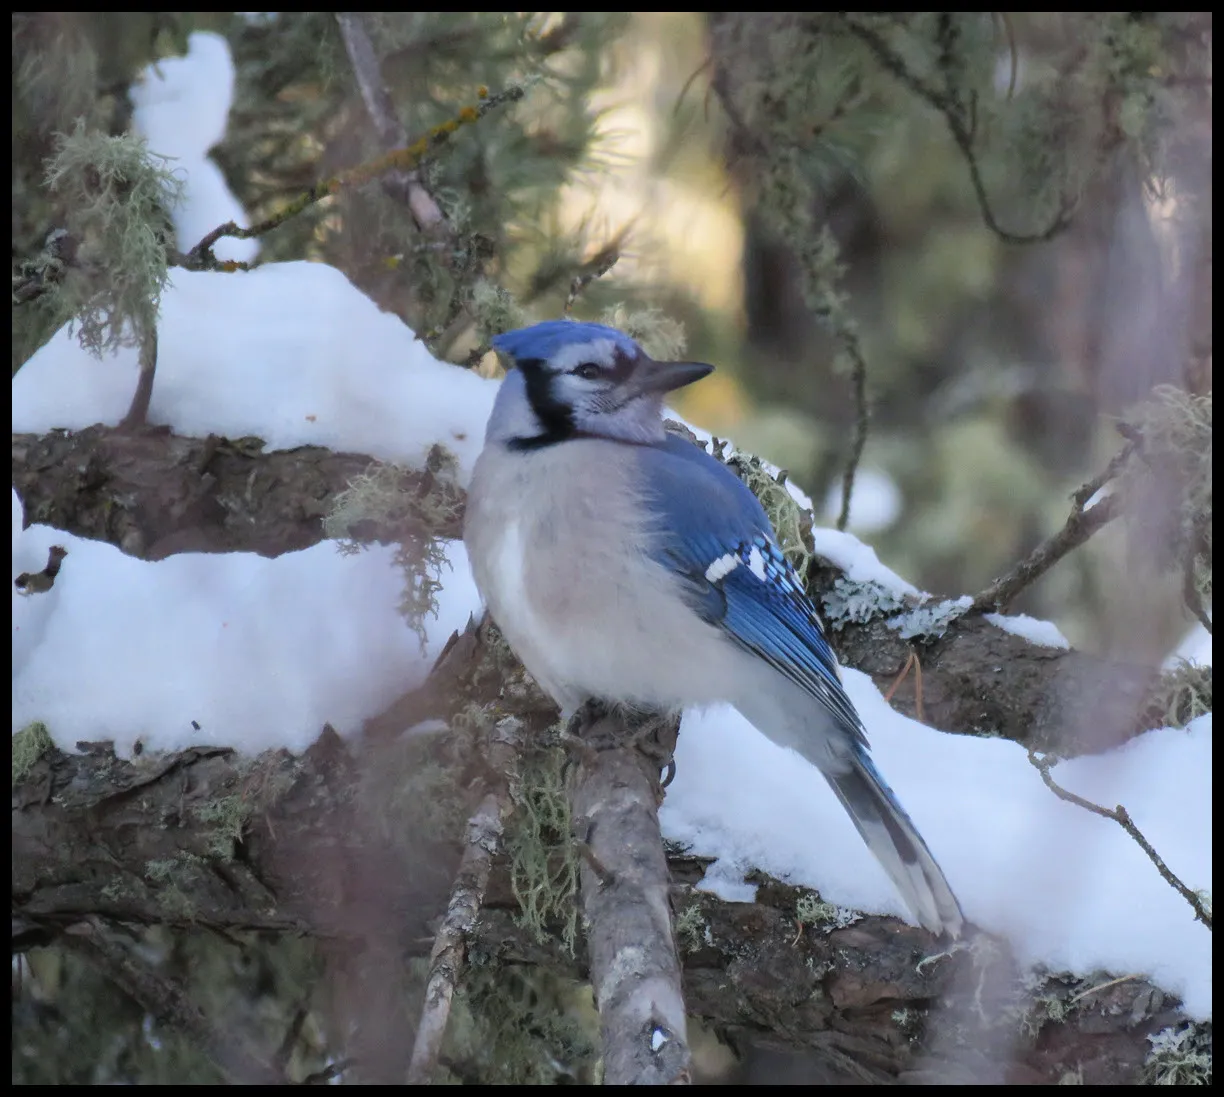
713 533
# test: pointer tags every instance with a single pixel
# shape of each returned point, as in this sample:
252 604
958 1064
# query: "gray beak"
667 376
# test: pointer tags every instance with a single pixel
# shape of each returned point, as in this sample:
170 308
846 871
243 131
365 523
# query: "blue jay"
625 564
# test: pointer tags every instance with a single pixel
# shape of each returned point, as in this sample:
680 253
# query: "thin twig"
138 411
960 120
467 895
862 416
405 185
170 1006
603 262
1120 816
408 158
1080 525
1191 594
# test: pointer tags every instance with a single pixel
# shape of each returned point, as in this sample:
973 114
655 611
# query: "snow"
1194 648
875 501
290 352
1034 630
1068 889
181 107
262 652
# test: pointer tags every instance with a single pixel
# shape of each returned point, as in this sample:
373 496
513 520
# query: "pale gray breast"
560 548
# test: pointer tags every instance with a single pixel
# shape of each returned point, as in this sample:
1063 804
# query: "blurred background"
999 222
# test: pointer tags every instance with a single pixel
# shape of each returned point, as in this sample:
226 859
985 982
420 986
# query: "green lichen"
543 858
227 817
1180 1056
849 602
692 930
812 910
412 508
29 745
657 333
1181 695
119 195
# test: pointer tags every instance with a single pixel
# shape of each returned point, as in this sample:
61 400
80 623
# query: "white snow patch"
290 352
1033 629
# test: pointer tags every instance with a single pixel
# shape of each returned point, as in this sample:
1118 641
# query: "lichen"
657 333
29 745
1180 1056
543 857
929 622
849 602
812 910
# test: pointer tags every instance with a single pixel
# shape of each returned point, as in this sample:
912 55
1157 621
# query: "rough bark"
634 971
875 1001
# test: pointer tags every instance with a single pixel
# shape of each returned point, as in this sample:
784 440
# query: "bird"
625 564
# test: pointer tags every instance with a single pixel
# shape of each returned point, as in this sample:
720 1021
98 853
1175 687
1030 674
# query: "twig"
862 415
630 942
1080 525
1191 594
405 185
1120 816
170 1006
960 120
408 158
603 262
467 895
138 411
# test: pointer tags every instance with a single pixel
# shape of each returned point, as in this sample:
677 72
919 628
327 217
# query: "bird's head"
580 379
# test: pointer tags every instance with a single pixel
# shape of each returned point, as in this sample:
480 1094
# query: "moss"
29 745
1181 695
812 910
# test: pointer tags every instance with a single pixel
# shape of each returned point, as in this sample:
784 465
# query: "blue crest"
545 339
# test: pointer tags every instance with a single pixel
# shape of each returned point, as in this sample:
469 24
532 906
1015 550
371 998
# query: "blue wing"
712 532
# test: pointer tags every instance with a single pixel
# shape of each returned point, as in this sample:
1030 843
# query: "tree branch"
1080 525
614 797
467 896
407 159
1120 816
401 185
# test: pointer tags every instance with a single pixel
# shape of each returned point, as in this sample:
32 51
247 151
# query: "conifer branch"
401 185
960 118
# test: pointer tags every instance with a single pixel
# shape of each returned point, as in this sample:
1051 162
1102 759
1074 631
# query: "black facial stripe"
622 367
556 418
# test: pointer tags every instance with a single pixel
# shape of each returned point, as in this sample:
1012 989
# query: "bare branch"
960 120
138 411
405 185
633 964
862 413
1120 816
467 895
404 159
1080 525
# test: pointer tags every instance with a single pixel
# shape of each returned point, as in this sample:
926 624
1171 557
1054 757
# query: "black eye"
588 371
